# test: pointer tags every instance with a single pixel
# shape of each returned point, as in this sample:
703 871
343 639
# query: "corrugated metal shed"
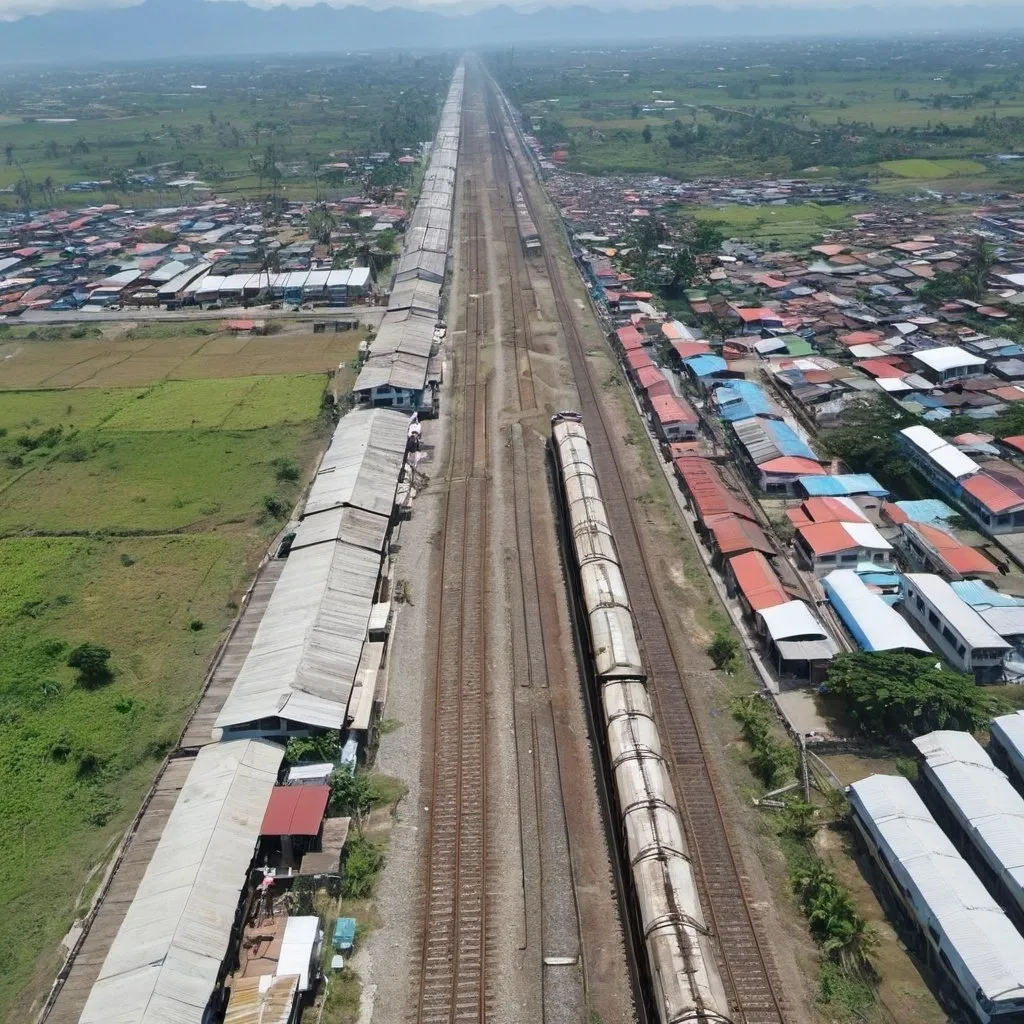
362 466
766 439
982 800
348 525
843 484
875 625
797 633
940 451
163 965
429 266
983 948
306 651
416 294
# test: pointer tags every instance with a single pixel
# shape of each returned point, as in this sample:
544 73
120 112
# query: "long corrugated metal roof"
306 651
165 959
269 999
961 616
940 451
875 625
980 942
362 466
982 800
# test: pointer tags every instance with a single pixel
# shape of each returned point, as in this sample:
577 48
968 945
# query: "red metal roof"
756 313
880 368
670 409
295 811
827 538
831 510
996 497
630 338
710 495
957 556
638 358
734 535
648 376
891 511
685 349
1017 442
757 581
792 465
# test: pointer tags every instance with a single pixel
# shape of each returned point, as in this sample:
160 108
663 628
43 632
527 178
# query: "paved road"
366 314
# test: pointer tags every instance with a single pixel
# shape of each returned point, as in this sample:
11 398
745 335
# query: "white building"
952 627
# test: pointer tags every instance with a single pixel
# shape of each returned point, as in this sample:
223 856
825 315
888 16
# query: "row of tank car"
684 977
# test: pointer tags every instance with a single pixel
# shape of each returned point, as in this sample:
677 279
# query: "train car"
676 945
968 939
1006 745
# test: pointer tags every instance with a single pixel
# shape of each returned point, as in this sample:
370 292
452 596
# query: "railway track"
453 956
747 969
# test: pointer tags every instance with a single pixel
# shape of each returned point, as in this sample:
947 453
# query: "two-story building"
953 629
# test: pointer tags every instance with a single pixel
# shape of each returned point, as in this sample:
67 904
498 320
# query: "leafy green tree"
866 441
773 762
92 662
901 695
845 936
706 236
647 134
800 818
722 649
352 792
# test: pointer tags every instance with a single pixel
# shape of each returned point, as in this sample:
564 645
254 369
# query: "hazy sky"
10 9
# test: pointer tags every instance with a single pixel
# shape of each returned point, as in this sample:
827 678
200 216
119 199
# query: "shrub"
274 507
722 649
92 662
196 625
363 862
286 471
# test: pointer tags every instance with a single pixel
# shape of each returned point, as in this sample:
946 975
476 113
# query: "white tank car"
685 982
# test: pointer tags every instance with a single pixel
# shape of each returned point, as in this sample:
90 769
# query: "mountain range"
198 28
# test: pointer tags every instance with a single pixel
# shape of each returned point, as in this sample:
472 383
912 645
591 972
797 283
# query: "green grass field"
933 169
787 225
74 762
133 518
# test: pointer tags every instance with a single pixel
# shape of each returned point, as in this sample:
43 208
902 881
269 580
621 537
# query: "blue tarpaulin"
706 365
741 399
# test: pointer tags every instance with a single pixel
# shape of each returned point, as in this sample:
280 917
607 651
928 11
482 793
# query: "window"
919 603
827 559
947 635
848 558
933 619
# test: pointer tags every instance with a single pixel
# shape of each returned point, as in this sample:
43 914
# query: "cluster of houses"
776 346
211 254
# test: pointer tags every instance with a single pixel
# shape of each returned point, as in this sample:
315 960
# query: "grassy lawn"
932 169
132 518
146 481
788 225
74 763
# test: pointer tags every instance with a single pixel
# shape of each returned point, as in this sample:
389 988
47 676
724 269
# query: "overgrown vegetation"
773 761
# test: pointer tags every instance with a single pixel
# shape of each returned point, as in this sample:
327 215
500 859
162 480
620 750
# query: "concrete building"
953 628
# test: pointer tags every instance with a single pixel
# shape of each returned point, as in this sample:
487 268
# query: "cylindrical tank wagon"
677 947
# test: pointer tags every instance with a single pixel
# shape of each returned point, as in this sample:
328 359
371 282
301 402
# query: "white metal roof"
940 451
363 463
983 946
343 523
163 964
304 656
948 357
866 535
797 633
1008 732
297 945
982 800
614 638
876 625
960 616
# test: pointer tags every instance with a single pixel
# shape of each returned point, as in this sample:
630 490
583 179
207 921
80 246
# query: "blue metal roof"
741 399
787 440
980 595
705 365
929 510
842 485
